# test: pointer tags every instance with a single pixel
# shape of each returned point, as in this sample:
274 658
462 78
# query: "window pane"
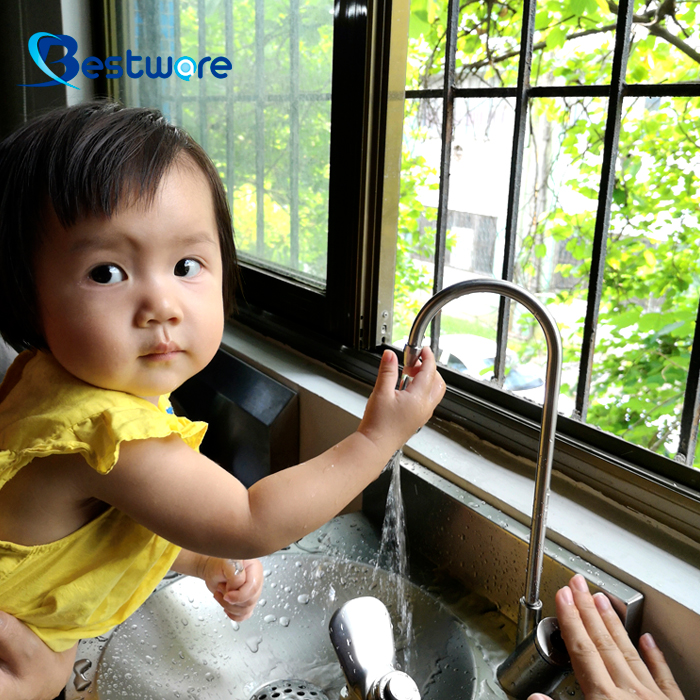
665 42
574 43
266 124
420 175
652 275
556 221
488 44
477 204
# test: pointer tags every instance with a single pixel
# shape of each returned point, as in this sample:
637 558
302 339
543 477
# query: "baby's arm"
236 584
190 501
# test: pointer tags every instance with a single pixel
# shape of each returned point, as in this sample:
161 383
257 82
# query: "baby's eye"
107 274
187 268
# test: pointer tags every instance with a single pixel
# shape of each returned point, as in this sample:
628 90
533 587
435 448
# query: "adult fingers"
659 668
588 665
615 661
619 635
21 654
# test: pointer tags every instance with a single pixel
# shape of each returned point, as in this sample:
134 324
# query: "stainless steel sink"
181 645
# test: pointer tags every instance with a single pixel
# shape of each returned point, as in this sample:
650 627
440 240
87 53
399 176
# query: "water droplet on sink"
269 618
262 603
303 598
284 621
253 643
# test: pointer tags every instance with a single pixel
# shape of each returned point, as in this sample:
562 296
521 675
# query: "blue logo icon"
39 45
185 67
91 67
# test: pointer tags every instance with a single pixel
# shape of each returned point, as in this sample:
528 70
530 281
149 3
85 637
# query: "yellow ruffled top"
86 583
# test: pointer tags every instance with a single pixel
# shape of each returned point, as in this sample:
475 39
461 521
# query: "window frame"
343 326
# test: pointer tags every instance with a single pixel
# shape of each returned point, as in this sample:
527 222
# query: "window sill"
661 563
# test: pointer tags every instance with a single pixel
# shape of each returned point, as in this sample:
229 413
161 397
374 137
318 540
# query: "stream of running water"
393 556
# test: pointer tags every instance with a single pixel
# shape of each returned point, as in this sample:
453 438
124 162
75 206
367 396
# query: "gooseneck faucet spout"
530 608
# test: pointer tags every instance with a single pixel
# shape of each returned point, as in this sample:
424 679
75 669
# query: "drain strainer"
292 689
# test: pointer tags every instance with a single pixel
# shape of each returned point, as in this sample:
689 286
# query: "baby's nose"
158 305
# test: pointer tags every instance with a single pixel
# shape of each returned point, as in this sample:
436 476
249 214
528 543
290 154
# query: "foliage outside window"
266 125
651 283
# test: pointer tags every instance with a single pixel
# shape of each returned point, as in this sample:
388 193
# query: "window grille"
614 91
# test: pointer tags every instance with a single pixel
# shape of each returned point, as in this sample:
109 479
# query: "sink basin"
180 644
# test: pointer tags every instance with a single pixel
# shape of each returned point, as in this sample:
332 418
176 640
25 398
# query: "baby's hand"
236 585
393 416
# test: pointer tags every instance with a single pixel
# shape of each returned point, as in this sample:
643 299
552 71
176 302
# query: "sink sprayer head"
363 639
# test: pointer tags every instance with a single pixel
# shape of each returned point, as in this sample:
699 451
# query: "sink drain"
289 689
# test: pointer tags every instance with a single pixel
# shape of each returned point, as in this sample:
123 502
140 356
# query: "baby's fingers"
387 376
250 591
428 380
232 576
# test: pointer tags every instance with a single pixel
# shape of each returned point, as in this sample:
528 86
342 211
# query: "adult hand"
29 670
606 664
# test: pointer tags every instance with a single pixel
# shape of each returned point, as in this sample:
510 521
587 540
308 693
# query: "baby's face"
134 303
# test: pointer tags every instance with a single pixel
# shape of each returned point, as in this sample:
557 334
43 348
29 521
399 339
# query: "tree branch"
536 47
663 33
652 22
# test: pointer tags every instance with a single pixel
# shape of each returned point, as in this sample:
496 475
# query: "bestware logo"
184 67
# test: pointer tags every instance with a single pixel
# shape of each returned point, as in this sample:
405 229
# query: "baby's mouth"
162 351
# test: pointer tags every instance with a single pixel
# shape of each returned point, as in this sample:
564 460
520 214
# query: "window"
262 114
555 145
269 77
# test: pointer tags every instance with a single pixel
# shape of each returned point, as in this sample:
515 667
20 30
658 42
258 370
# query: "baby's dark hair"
86 161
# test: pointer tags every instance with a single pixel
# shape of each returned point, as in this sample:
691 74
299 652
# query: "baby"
120 267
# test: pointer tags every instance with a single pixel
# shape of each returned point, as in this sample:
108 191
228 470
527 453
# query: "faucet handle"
395 685
362 636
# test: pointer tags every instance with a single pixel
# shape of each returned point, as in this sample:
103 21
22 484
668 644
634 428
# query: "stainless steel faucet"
530 608
363 639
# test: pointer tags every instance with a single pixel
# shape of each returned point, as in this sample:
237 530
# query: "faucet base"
539 663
